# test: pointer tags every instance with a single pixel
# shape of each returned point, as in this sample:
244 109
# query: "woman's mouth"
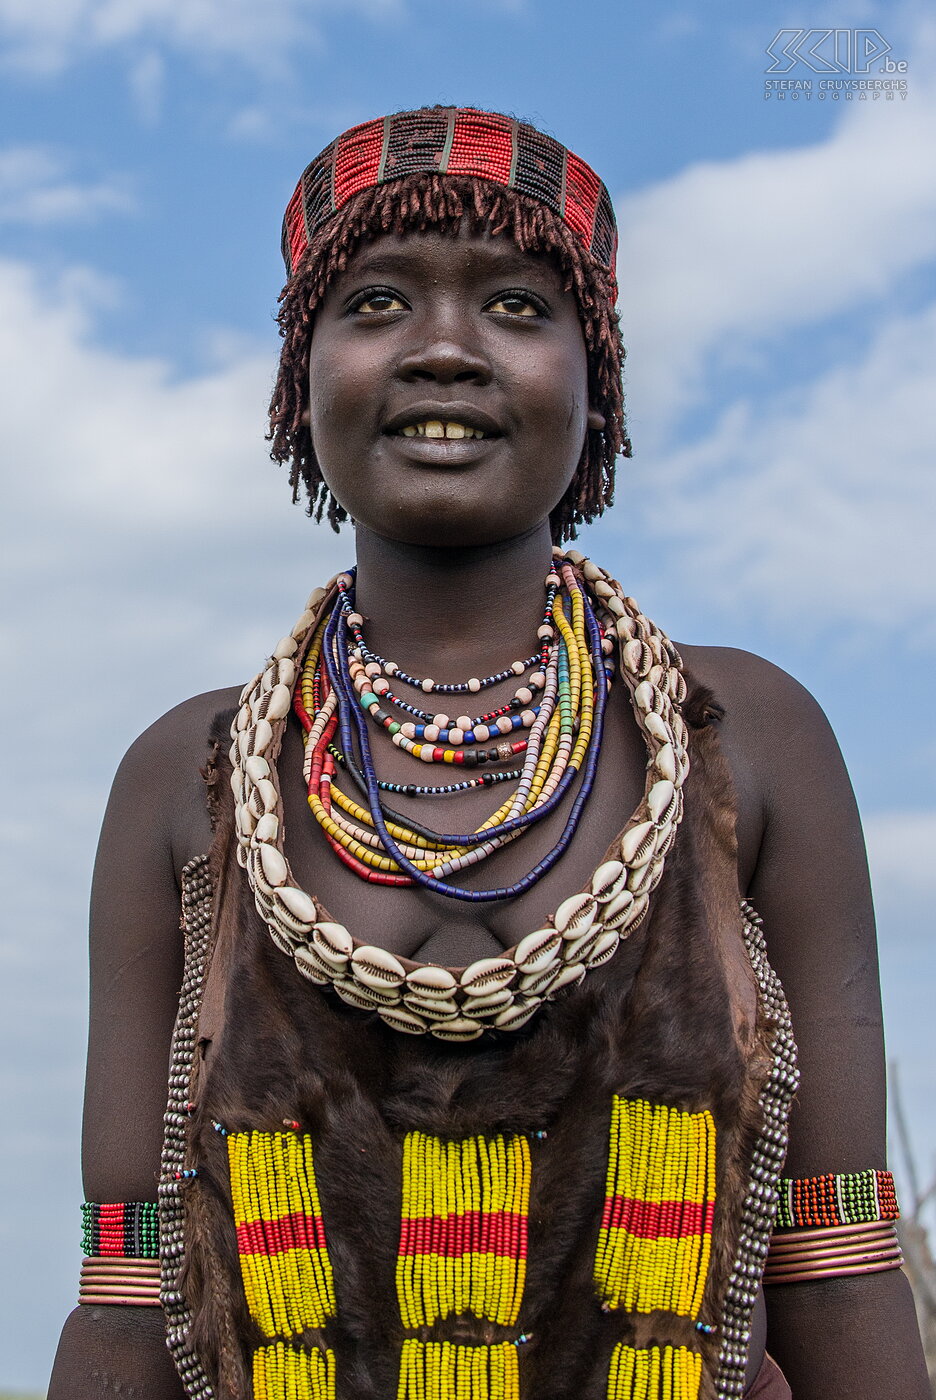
436 428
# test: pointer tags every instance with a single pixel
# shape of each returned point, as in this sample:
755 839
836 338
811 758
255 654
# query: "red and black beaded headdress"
452 141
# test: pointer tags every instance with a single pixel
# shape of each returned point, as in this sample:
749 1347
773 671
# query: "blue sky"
778 275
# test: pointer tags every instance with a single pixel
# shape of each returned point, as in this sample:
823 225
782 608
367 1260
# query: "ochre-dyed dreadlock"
413 204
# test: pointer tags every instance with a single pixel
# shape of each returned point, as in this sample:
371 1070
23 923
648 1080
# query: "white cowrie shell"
399 1020
537 950
460 1029
285 674
638 658
267 828
303 624
644 696
664 761
299 904
592 572
513 1017
364 998
262 734
434 1008
603 589
336 958
295 929
486 975
266 793
607 880
613 913
335 937
615 606
604 949
285 649
626 925
490 1002
241 721
431 981
241 856
537 983
676 684
656 728
274 865
279 703
643 879
283 937
625 627
375 967
256 768
660 797
311 966
314 598
246 821
637 843
569 976
575 915
577 949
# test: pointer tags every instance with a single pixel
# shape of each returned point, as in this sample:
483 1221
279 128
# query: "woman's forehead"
407 253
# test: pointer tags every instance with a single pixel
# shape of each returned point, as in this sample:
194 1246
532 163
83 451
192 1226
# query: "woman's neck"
452 613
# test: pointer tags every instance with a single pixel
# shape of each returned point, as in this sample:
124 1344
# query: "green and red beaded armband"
845 1198
127 1229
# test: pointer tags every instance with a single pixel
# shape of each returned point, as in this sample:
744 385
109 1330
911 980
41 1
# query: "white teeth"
435 428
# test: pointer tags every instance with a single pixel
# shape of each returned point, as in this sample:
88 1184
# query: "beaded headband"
452 141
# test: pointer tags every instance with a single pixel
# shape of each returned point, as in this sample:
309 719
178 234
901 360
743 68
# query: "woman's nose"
444 355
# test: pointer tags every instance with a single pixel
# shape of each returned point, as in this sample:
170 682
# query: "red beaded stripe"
111 1229
582 188
471 1231
357 160
294 225
654 1220
483 146
295 1231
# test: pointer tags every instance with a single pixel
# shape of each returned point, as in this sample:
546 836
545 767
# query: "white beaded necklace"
500 993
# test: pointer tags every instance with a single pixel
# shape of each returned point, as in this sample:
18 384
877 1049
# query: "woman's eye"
372 303
515 304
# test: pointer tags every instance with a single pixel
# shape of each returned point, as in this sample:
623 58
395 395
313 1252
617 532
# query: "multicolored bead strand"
844 1198
126 1228
654 1373
446 1371
281 1243
336 693
654 1244
463 1234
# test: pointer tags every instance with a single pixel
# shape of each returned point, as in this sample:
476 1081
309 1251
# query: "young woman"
481 1071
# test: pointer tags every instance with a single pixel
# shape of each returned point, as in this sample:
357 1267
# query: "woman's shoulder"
163 768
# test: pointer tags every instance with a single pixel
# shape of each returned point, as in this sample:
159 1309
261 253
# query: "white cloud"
817 505
728 256
46 35
36 188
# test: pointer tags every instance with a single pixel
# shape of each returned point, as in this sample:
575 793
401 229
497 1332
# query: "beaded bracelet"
120 1281
845 1198
835 1251
123 1228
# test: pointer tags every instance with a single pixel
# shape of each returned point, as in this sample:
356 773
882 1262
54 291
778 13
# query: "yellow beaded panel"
658 1373
463 1235
444 1371
284 1262
282 1373
656 1232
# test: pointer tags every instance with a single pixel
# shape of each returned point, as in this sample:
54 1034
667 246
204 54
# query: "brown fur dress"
677 1017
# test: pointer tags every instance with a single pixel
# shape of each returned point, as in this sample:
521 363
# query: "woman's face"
448 393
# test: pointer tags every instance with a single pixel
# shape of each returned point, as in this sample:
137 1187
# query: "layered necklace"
548 737
553 723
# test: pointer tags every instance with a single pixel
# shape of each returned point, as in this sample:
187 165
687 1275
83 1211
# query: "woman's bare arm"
155 821
845 1337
